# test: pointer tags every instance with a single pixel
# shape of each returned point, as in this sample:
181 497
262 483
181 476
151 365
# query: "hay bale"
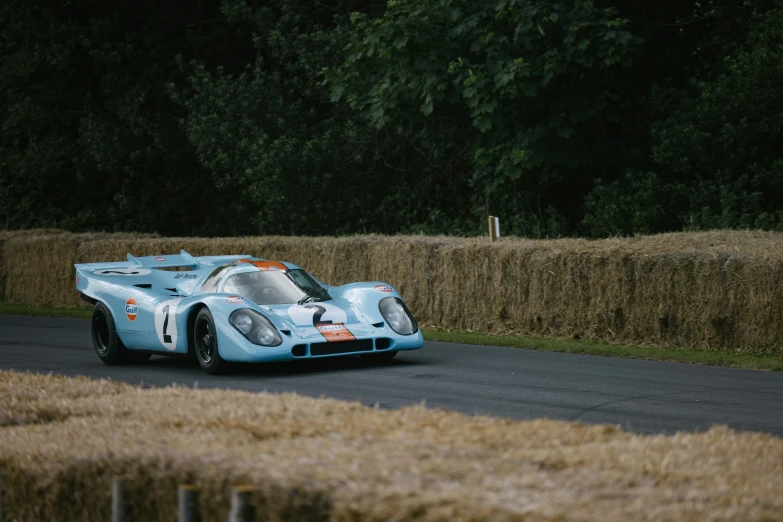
62 440
2 271
5 235
36 266
715 290
708 290
38 270
31 232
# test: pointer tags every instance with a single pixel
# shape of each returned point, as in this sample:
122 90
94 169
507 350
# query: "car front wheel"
205 343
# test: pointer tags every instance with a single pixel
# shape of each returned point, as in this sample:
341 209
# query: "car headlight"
243 323
255 327
398 316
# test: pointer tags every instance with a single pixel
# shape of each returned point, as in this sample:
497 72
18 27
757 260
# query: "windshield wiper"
321 292
305 299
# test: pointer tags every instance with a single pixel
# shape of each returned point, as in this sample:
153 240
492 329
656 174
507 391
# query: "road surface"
641 396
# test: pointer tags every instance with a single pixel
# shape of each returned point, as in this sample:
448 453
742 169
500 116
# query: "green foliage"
750 200
638 203
727 136
89 135
734 120
271 141
335 117
717 151
507 95
33 116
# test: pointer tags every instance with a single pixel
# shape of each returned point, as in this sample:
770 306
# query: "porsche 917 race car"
239 308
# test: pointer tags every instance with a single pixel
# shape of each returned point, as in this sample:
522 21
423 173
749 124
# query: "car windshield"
266 287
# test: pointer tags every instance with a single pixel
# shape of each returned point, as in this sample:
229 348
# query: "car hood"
302 318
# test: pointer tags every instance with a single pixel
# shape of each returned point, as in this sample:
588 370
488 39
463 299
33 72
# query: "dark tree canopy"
563 117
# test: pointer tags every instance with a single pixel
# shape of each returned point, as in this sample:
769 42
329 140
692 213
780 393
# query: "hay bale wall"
39 270
6 235
715 290
63 439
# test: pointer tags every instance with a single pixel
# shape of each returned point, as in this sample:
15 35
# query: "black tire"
380 356
205 343
107 343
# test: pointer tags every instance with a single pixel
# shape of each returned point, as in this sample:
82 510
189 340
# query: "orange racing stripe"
265 265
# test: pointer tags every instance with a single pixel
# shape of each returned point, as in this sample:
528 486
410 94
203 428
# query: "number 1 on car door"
166 323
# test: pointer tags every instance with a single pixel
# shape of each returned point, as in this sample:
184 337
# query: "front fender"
366 297
232 345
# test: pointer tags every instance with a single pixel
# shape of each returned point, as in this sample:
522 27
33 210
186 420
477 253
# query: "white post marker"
494 228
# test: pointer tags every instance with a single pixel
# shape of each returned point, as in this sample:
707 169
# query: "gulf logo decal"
131 309
384 288
159 259
265 265
335 333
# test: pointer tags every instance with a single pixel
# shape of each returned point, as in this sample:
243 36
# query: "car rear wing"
181 260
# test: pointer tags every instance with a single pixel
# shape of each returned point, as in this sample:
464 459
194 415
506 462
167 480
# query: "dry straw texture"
63 439
5 235
37 265
717 290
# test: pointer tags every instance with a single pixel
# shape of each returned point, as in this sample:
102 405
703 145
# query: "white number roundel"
122 272
307 314
166 323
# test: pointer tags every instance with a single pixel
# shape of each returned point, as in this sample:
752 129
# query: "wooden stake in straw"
2 484
119 508
242 509
188 504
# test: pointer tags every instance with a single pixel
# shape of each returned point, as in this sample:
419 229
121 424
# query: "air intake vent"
300 350
143 285
382 343
361 345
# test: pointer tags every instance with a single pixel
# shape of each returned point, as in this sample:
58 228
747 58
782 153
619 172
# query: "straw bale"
717 290
30 232
36 266
38 270
63 439
5 235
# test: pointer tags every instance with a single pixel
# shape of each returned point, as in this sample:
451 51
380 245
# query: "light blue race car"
237 309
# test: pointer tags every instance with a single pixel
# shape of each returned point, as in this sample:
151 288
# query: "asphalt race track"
643 396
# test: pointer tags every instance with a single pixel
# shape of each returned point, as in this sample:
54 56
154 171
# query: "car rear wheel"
107 343
205 343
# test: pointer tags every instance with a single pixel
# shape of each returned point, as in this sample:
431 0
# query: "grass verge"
748 361
713 358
